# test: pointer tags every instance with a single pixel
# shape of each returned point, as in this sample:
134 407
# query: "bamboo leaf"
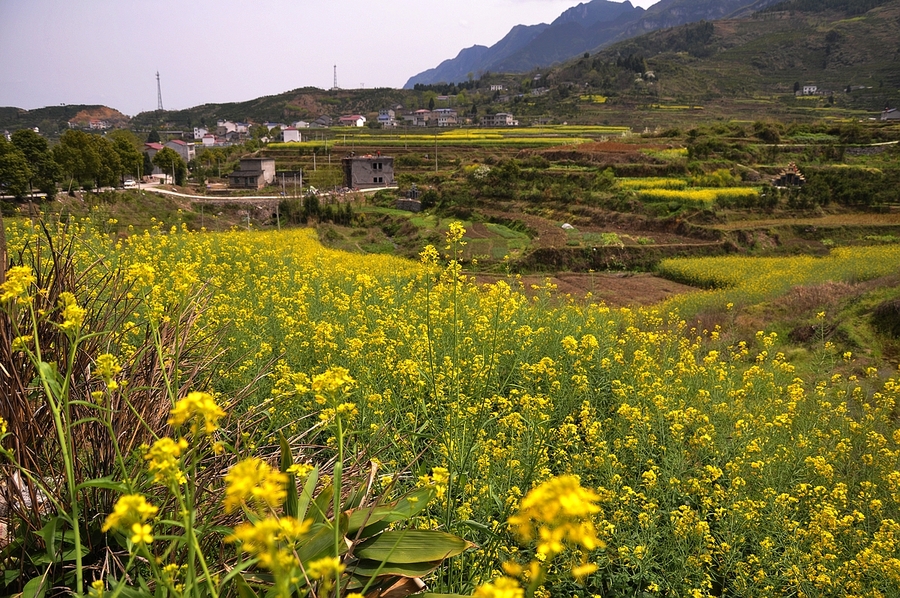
319 543
306 496
369 568
106 482
35 588
321 503
411 546
292 502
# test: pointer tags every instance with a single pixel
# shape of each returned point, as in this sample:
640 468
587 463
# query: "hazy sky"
108 51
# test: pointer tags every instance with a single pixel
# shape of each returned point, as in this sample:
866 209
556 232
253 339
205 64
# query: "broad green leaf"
292 502
35 588
319 543
369 568
411 546
368 516
105 482
51 377
321 504
306 497
48 535
244 590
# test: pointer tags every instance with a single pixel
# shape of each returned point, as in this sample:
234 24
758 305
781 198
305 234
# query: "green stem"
338 484
65 446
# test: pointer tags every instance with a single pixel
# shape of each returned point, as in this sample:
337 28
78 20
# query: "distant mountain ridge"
586 27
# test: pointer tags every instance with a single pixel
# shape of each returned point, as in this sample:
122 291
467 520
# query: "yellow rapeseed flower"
129 510
163 460
18 281
108 368
272 540
557 511
194 407
254 481
502 587
141 533
72 314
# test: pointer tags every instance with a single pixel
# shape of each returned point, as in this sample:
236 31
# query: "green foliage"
14 170
169 161
849 7
45 171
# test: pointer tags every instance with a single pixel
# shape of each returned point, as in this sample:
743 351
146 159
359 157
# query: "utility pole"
435 153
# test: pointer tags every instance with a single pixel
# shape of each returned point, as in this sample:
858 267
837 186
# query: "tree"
153 137
130 158
431 104
148 164
44 170
110 170
796 86
77 155
14 170
169 161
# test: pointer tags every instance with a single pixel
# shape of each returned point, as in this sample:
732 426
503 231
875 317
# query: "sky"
211 51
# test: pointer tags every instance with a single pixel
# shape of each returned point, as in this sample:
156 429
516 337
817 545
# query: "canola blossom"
713 467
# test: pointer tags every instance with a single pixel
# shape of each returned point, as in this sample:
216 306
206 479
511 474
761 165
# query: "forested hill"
833 46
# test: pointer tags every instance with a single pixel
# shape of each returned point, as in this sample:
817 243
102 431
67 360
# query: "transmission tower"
159 105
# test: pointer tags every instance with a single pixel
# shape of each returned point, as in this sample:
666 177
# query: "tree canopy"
169 161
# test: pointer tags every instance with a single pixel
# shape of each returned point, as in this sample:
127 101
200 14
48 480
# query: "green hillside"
798 42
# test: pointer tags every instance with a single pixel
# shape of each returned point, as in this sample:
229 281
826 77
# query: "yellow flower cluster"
558 511
72 314
163 460
197 408
18 281
272 541
130 515
253 482
108 368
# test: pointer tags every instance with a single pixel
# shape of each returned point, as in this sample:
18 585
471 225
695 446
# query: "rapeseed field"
582 450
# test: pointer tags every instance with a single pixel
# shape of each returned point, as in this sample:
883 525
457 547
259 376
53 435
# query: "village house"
151 149
323 122
810 90
208 140
300 124
890 114
419 118
253 173
223 127
291 135
496 88
200 133
352 120
184 149
501 119
98 125
387 118
444 117
368 172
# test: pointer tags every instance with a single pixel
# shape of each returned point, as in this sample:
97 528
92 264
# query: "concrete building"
352 120
291 134
368 172
184 149
253 173
501 119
